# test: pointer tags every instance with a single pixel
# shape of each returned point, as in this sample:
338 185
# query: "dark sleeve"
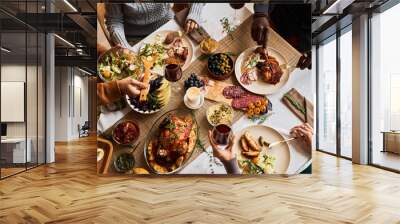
231 166
115 24
261 8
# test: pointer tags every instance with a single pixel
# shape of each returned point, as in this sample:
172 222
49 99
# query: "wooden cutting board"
214 91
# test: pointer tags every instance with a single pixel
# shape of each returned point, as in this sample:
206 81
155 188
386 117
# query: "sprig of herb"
170 126
200 145
253 168
295 103
227 26
261 119
204 57
230 54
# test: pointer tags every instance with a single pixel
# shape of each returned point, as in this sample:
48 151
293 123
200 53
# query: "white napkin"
108 119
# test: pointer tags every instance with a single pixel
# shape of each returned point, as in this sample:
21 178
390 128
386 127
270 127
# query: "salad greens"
264 165
117 64
154 50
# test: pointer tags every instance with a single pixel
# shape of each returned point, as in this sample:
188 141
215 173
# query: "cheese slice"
148 63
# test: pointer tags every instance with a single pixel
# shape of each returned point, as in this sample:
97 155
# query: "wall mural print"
204 88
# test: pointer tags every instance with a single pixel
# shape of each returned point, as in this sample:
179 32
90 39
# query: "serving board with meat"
230 94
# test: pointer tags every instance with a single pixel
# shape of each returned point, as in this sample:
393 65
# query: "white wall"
34 125
69 82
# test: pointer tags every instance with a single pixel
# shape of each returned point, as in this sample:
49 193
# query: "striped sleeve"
195 12
115 24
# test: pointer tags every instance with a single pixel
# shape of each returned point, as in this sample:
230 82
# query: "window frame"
381 9
336 36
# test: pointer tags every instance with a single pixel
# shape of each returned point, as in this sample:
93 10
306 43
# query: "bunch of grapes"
193 81
155 83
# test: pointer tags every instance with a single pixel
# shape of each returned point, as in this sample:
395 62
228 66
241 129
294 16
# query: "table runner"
238 41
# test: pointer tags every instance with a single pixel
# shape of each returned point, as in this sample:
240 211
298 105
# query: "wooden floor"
70 192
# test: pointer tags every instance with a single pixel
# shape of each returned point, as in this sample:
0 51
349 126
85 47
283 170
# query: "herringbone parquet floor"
70 192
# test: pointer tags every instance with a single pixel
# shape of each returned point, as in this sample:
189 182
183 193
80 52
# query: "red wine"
221 134
236 5
223 128
173 72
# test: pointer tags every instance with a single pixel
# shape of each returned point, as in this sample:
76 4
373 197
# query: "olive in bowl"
125 132
220 66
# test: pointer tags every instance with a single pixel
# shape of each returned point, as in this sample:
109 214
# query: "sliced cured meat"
243 102
231 92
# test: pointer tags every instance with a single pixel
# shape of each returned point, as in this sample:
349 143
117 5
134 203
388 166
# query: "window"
385 89
327 96
22 71
346 93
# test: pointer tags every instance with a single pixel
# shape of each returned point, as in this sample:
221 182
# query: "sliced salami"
231 92
243 102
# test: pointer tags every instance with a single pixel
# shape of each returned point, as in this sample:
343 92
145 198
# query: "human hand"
223 155
259 29
303 132
304 61
130 87
190 25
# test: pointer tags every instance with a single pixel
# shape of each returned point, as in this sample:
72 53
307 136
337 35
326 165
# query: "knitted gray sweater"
133 20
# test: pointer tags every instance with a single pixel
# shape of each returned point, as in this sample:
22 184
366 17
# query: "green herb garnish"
261 119
227 26
252 167
170 126
296 104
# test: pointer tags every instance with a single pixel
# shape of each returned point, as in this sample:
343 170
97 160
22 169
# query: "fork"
270 145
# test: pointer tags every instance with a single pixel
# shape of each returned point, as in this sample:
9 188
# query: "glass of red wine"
236 7
173 72
221 134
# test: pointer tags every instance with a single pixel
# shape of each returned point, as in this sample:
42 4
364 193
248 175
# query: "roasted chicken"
270 71
174 144
260 64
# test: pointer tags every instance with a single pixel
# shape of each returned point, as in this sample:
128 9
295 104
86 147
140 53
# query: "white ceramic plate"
280 152
260 87
147 111
162 34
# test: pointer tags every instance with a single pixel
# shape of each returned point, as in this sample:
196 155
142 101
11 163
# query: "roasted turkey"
175 142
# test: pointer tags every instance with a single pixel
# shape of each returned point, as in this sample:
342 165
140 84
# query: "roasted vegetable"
251 153
251 142
244 145
262 141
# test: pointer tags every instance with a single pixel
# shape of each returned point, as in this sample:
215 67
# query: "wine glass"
173 73
221 134
236 7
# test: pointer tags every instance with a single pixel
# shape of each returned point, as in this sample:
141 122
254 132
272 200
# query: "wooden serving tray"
214 91
107 146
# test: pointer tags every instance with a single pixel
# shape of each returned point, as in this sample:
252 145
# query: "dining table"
280 118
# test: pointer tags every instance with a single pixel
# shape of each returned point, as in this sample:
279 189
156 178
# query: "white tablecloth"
282 118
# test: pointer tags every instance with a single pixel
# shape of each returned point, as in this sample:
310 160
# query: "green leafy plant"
260 119
227 26
296 104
